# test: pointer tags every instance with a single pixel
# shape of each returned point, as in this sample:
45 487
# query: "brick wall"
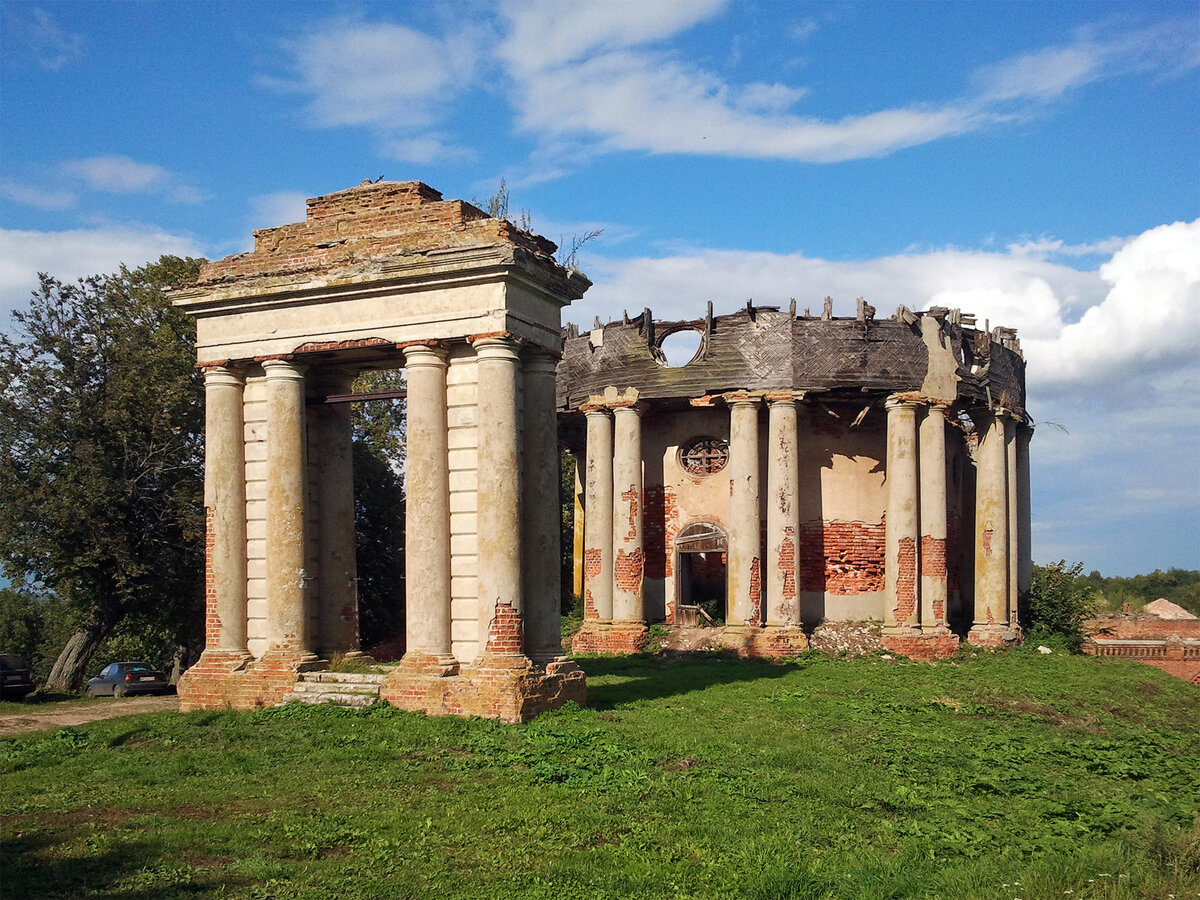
843 558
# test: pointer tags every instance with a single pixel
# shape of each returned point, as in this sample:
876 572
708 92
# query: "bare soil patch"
64 715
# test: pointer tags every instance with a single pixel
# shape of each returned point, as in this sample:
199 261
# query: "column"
501 631
934 591
1010 473
744 570
1024 512
577 530
427 511
991 528
900 561
287 581
598 524
540 554
783 513
628 556
331 439
225 508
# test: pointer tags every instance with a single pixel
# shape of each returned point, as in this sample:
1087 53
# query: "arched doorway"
700 564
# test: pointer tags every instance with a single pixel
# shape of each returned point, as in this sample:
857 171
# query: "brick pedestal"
510 689
994 636
621 638
922 645
764 642
232 680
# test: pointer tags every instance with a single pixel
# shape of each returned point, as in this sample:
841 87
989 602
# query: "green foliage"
22 621
1004 775
1180 586
379 444
1059 601
101 450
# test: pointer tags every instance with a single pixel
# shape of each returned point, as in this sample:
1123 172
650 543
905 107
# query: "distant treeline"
1181 586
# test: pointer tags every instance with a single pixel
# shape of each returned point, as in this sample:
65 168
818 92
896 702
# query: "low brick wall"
1174 655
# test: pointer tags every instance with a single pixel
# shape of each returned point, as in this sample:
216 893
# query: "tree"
1060 599
101 454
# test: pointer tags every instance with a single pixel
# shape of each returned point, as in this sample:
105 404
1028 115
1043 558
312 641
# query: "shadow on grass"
646 677
37 866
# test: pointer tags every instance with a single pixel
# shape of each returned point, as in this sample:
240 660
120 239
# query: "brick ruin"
805 470
382 276
797 469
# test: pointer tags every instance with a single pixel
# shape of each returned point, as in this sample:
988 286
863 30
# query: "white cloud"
34 36
424 150
68 255
278 208
582 70
53 198
117 174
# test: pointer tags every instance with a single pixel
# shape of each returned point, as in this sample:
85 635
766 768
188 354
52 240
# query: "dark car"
121 679
15 678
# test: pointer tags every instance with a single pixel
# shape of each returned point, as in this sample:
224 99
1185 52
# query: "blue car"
123 679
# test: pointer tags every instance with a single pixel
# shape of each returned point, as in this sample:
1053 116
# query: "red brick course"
591 569
505 631
938 645
843 558
906 581
628 570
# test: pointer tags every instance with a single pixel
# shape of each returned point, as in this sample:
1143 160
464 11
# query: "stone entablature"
874 470
384 275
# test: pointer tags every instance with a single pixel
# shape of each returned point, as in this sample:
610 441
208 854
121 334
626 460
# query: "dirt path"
58 716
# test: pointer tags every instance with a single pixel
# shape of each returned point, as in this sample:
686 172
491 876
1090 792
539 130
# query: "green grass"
40 701
991 776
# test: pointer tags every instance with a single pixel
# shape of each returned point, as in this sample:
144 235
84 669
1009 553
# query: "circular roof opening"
680 347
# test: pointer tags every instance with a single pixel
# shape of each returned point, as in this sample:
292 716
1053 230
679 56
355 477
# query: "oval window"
704 456
679 347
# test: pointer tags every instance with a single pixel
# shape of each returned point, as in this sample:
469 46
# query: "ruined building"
798 468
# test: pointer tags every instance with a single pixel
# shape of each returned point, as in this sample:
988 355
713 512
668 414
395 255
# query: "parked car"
121 679
15 678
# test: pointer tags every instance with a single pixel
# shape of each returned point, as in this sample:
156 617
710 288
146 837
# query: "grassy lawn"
1012 775
40 702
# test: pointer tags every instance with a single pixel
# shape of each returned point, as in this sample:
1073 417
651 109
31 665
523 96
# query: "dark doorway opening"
700 551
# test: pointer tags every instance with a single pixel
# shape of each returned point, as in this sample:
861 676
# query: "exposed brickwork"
628 570
755 617
212 622
510 695
631 497
933 556
324 346
621 638
906 581
1174 655
591 569
938 645
987 543
842 558
659 529
505 631
787 564
229 680
371 221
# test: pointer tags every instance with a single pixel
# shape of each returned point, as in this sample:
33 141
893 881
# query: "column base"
764 641
995 636
508 688
223 679
918 644
620 638
437 665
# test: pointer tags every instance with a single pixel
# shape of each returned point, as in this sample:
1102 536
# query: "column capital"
742 399
425 354
782 398
498 345
282 369
225 376
902 401
632 407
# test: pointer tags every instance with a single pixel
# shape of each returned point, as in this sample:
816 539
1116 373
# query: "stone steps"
355 689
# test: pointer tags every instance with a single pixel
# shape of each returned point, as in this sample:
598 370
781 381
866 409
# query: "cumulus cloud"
53 198
68 255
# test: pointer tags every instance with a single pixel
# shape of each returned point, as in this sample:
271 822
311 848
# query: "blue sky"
1037 164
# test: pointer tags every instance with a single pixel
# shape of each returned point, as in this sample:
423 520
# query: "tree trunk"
68 671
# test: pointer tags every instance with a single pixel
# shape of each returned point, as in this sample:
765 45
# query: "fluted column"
501 629
902 532
628 555
744 569
288 629
225 507
1024 542
598 521
783 513
427 511
541 558
991 530
934 587
331 449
